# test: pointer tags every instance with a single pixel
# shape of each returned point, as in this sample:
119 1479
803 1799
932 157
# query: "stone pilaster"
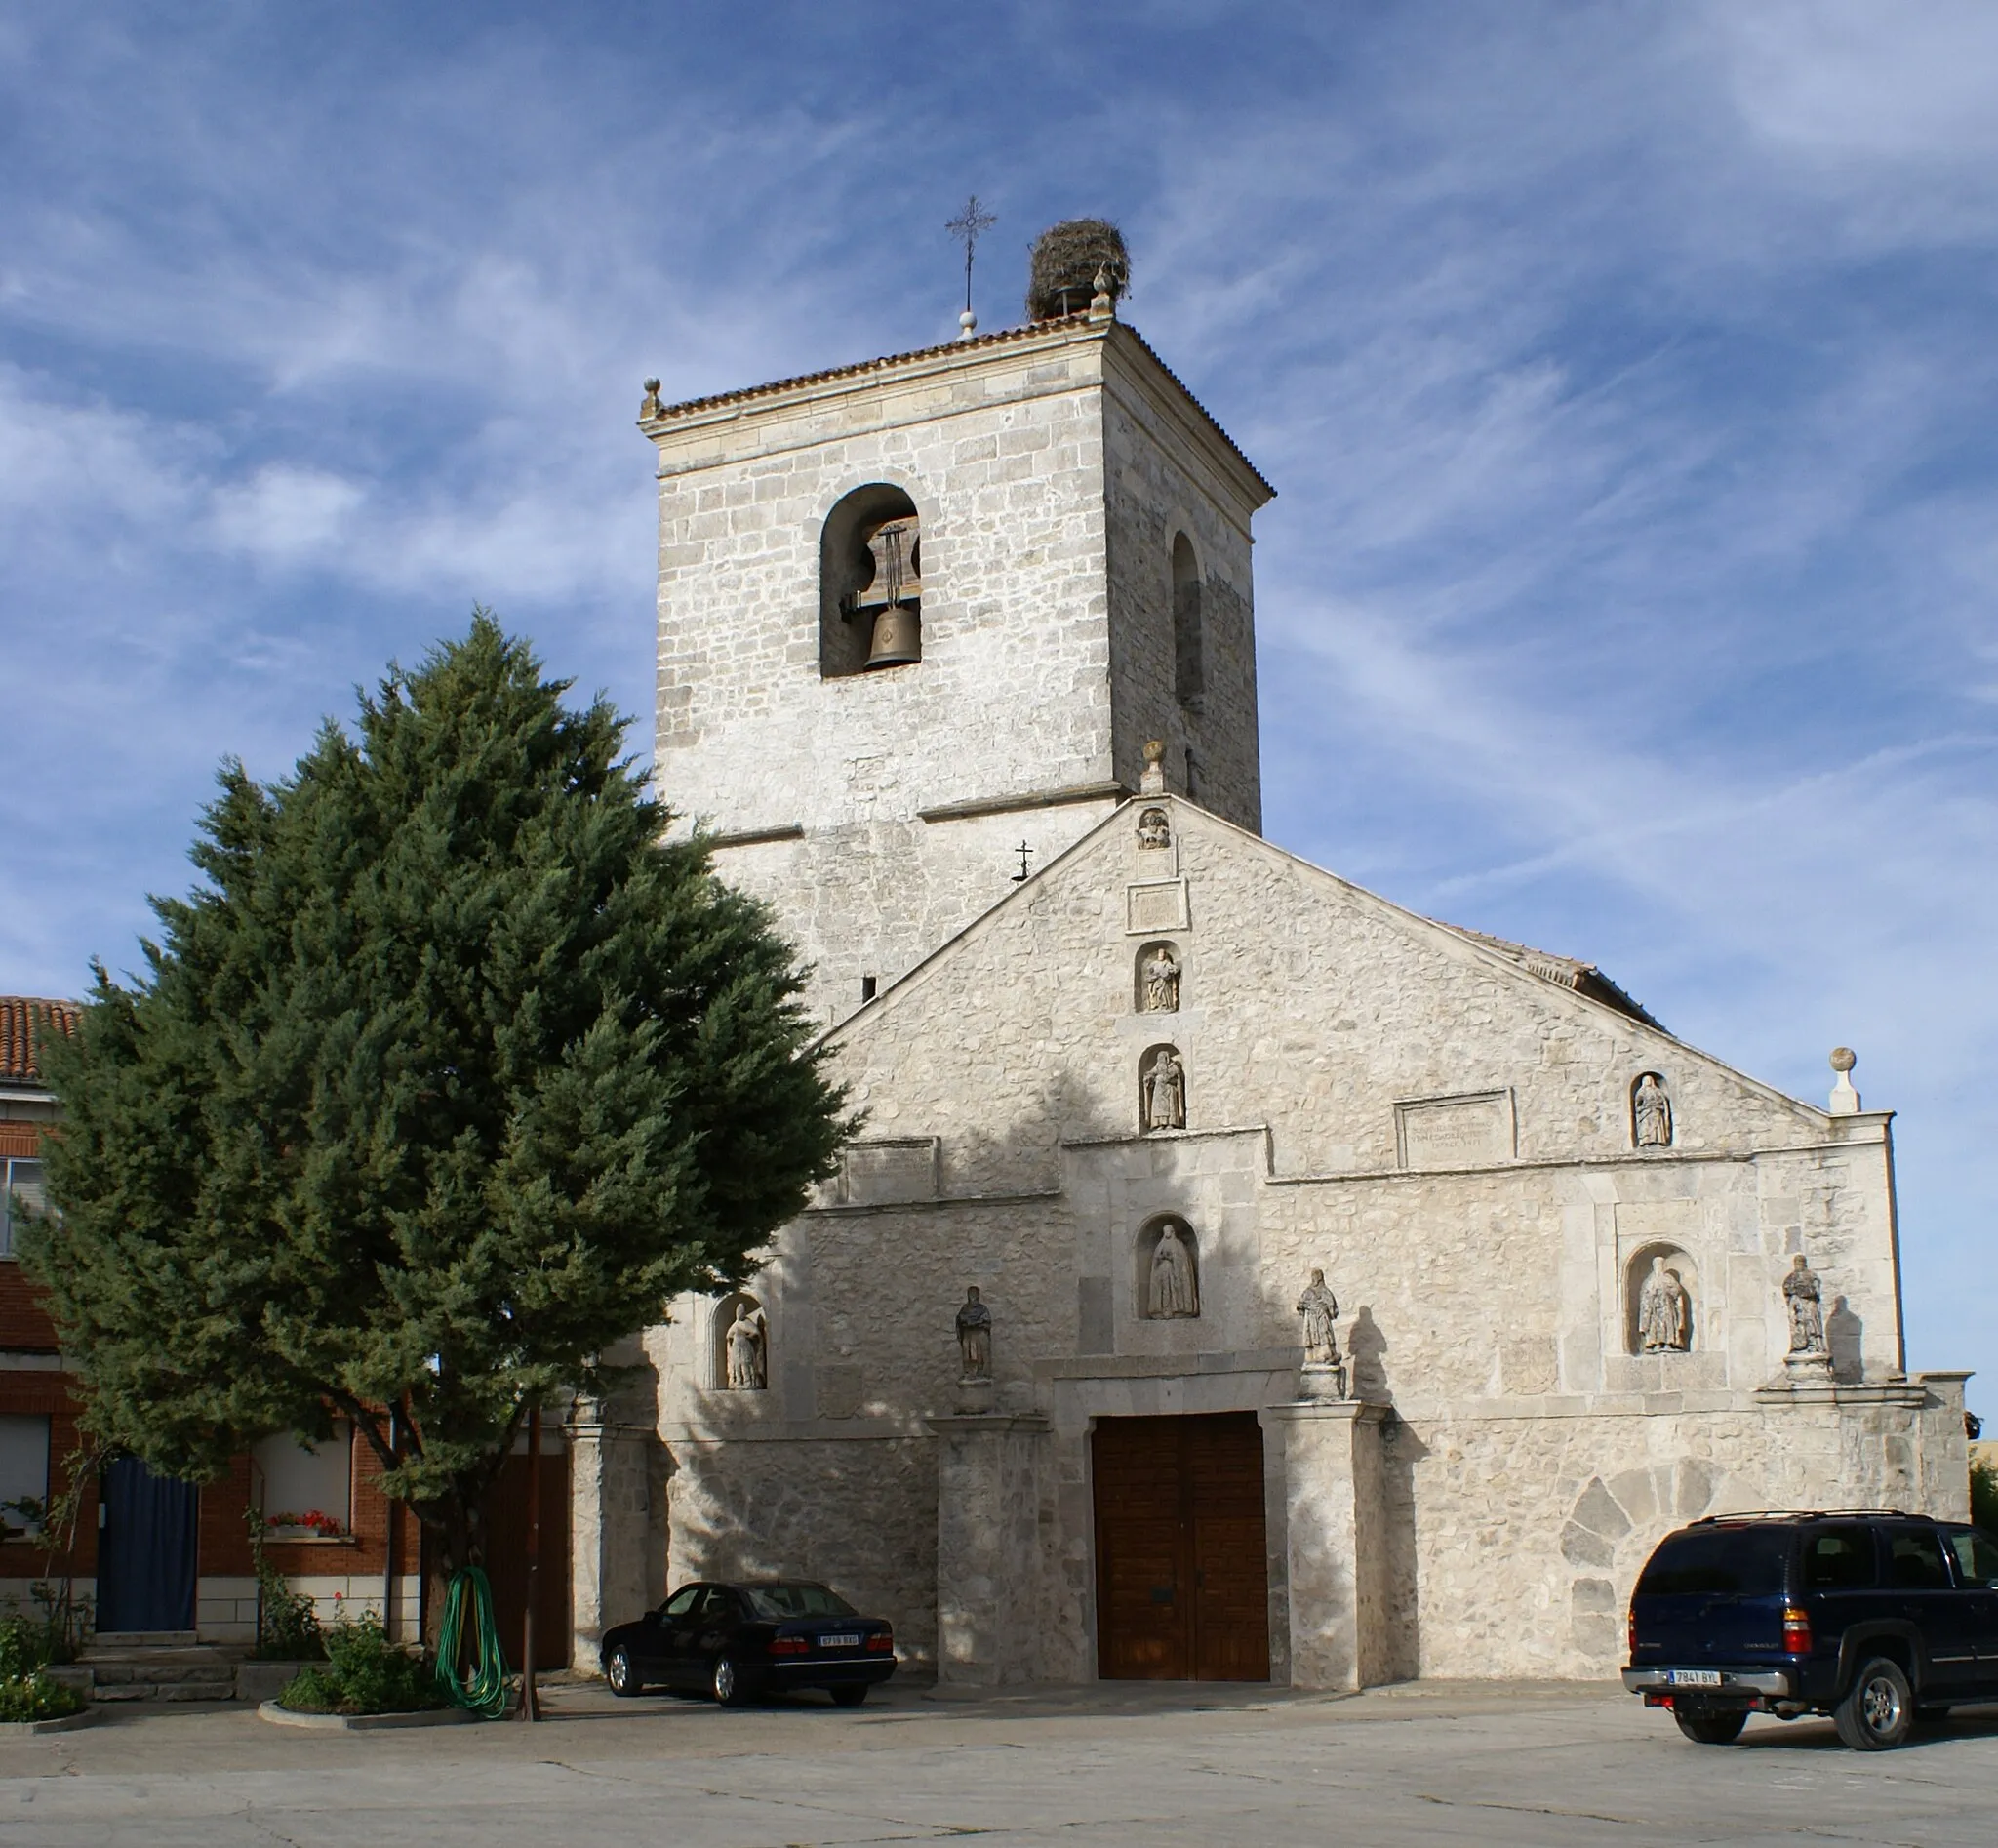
616 1538
1335 1542
988 1497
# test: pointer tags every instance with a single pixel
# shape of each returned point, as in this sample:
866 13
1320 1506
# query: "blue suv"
1873 1617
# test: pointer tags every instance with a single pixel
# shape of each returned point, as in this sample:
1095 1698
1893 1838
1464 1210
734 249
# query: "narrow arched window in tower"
1189 644
870 583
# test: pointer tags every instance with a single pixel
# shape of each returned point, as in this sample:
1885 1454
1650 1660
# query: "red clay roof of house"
23 1020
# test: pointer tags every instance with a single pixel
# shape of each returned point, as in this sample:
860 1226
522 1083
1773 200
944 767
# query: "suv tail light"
1796 1630
788 1646
881 1643
1630 1634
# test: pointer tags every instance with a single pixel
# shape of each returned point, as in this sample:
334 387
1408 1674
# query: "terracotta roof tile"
23 1020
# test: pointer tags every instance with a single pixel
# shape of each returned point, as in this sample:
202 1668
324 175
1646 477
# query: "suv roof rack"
1800 1515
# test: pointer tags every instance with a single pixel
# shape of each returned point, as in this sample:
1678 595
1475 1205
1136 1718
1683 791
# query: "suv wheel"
1878 1709
618 1671
1710 1725
724 1680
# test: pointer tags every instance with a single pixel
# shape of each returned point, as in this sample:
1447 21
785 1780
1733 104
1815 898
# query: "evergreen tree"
446 1079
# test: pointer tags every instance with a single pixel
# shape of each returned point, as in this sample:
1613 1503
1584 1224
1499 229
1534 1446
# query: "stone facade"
1487 1152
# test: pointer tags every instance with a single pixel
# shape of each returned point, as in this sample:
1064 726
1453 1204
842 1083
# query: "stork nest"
1067 257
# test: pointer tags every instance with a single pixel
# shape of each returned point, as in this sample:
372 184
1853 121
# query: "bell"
898 637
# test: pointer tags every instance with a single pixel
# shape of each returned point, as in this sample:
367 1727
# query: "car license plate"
1693 1678
854 1642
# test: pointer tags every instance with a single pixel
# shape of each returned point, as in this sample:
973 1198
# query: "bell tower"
918 617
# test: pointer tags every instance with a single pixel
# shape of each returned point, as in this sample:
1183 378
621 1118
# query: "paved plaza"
1433 1762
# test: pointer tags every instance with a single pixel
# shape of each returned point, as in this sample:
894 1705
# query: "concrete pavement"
1546 1766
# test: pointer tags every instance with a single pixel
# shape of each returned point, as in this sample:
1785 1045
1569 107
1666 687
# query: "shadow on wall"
1400 1452
1367 1348
1845 1333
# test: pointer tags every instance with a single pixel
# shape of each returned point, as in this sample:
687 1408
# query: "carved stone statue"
1803 1299
973 1339
1165 1091
749 1370
1153 829
1651 1113
1174 1288
1664 1318
1158 977
1319 1310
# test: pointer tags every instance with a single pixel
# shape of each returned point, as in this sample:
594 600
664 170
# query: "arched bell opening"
870 583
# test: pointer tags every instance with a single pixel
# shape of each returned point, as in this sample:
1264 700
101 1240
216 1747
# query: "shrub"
1984 1495
364 1673
23 1647
286 1623
33 1696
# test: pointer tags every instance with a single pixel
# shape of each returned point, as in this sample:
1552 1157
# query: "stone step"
156 1690
116 1639
159 1674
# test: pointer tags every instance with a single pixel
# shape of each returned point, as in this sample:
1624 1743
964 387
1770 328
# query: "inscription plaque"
1461 1132
1155 905
881 1173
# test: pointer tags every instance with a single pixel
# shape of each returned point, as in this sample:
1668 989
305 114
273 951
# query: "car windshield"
776 1602
1722 1561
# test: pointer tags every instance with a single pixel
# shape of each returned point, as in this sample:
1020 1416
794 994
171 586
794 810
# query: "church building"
1236 1277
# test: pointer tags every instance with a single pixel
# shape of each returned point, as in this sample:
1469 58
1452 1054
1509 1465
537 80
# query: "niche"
1161 1090
1156 978
1167 1280
870 583
1189 643
741 1362
1661 1301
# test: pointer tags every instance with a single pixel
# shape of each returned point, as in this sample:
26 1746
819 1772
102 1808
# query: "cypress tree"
447 1077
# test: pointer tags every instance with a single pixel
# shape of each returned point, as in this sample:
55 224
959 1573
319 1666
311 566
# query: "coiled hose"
472 1628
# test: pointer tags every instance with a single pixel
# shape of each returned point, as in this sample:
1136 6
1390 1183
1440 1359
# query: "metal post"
530 1702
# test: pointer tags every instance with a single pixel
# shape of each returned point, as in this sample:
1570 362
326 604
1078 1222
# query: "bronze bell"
898 637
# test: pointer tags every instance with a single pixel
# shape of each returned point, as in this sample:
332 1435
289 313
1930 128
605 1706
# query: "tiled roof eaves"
24 1019
1006 337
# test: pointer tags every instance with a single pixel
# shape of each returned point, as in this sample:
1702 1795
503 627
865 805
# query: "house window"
23 1475
306 1488
20 1187
870 583
1189 642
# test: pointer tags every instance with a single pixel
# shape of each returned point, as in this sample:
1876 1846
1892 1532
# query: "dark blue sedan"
738 1642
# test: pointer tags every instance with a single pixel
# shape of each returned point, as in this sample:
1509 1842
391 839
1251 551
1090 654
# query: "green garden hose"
472 1627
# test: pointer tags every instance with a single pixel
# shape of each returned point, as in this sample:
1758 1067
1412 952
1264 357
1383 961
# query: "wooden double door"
1183 1570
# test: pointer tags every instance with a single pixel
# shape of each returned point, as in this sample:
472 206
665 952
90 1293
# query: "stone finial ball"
1154 750
1843 1059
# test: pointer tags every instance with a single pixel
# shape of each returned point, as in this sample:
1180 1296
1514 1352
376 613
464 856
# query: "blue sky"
1627 372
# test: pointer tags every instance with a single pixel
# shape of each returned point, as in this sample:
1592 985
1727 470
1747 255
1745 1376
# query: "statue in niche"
1158 977
1165 1091
973 1339
1174 1290
746 1348
1153 829
1651 1113
1664 1313
1319 1310
1803 1296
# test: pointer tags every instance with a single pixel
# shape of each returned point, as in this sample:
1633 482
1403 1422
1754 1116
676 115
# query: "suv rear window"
1917 1560
1840 1559
1718 1561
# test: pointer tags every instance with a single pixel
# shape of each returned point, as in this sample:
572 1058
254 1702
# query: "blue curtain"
145 1550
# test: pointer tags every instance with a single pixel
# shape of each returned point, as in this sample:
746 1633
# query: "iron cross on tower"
969 225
